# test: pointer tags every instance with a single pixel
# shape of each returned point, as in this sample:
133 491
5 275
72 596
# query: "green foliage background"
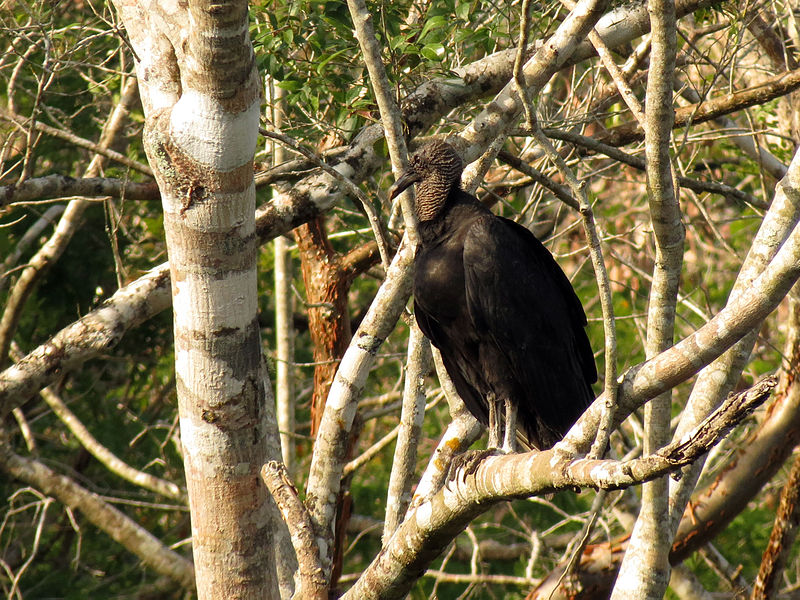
63 66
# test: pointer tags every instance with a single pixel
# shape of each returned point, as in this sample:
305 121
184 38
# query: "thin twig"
374 219
519 63
391 117
603 284
711 187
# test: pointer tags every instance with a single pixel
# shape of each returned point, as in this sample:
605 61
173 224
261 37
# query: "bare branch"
311 577
94 333
427 530
405 454
772 88
644 573
108 519
61 186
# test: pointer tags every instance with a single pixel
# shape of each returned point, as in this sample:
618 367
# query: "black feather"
496 304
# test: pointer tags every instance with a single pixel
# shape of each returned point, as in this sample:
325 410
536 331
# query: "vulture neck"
431 197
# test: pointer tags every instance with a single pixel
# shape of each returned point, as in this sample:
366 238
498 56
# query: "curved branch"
102 515
433 524
311 577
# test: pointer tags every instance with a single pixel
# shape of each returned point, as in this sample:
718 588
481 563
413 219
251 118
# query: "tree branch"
311 577
772 88
108 519
426 531
644 573
61 186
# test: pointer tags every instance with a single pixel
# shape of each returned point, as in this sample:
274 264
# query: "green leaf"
433 52
432 24
327 59
290 85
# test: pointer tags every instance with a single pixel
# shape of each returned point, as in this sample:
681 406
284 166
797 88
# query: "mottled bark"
326 303
310 576
644 573
201 97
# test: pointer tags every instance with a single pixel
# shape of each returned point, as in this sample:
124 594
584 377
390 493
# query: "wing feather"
521 300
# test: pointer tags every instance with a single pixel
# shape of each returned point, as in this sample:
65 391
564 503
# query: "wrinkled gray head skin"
436 168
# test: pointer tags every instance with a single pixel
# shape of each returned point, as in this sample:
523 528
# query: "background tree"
122 455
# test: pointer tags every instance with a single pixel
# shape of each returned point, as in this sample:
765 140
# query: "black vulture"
503 314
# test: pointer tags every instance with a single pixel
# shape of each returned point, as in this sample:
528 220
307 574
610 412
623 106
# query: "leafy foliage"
63 66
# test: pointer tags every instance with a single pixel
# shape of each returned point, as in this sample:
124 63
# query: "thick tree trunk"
201 93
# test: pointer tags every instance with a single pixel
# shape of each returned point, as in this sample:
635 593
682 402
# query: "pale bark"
405 453
391 118
418 349
507 105
311 577
284 352
331 443
200 137
433 524
284 306
644 573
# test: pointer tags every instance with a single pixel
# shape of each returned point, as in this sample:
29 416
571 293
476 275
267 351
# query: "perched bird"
496 304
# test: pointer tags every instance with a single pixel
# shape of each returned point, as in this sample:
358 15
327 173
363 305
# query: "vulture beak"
406 179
